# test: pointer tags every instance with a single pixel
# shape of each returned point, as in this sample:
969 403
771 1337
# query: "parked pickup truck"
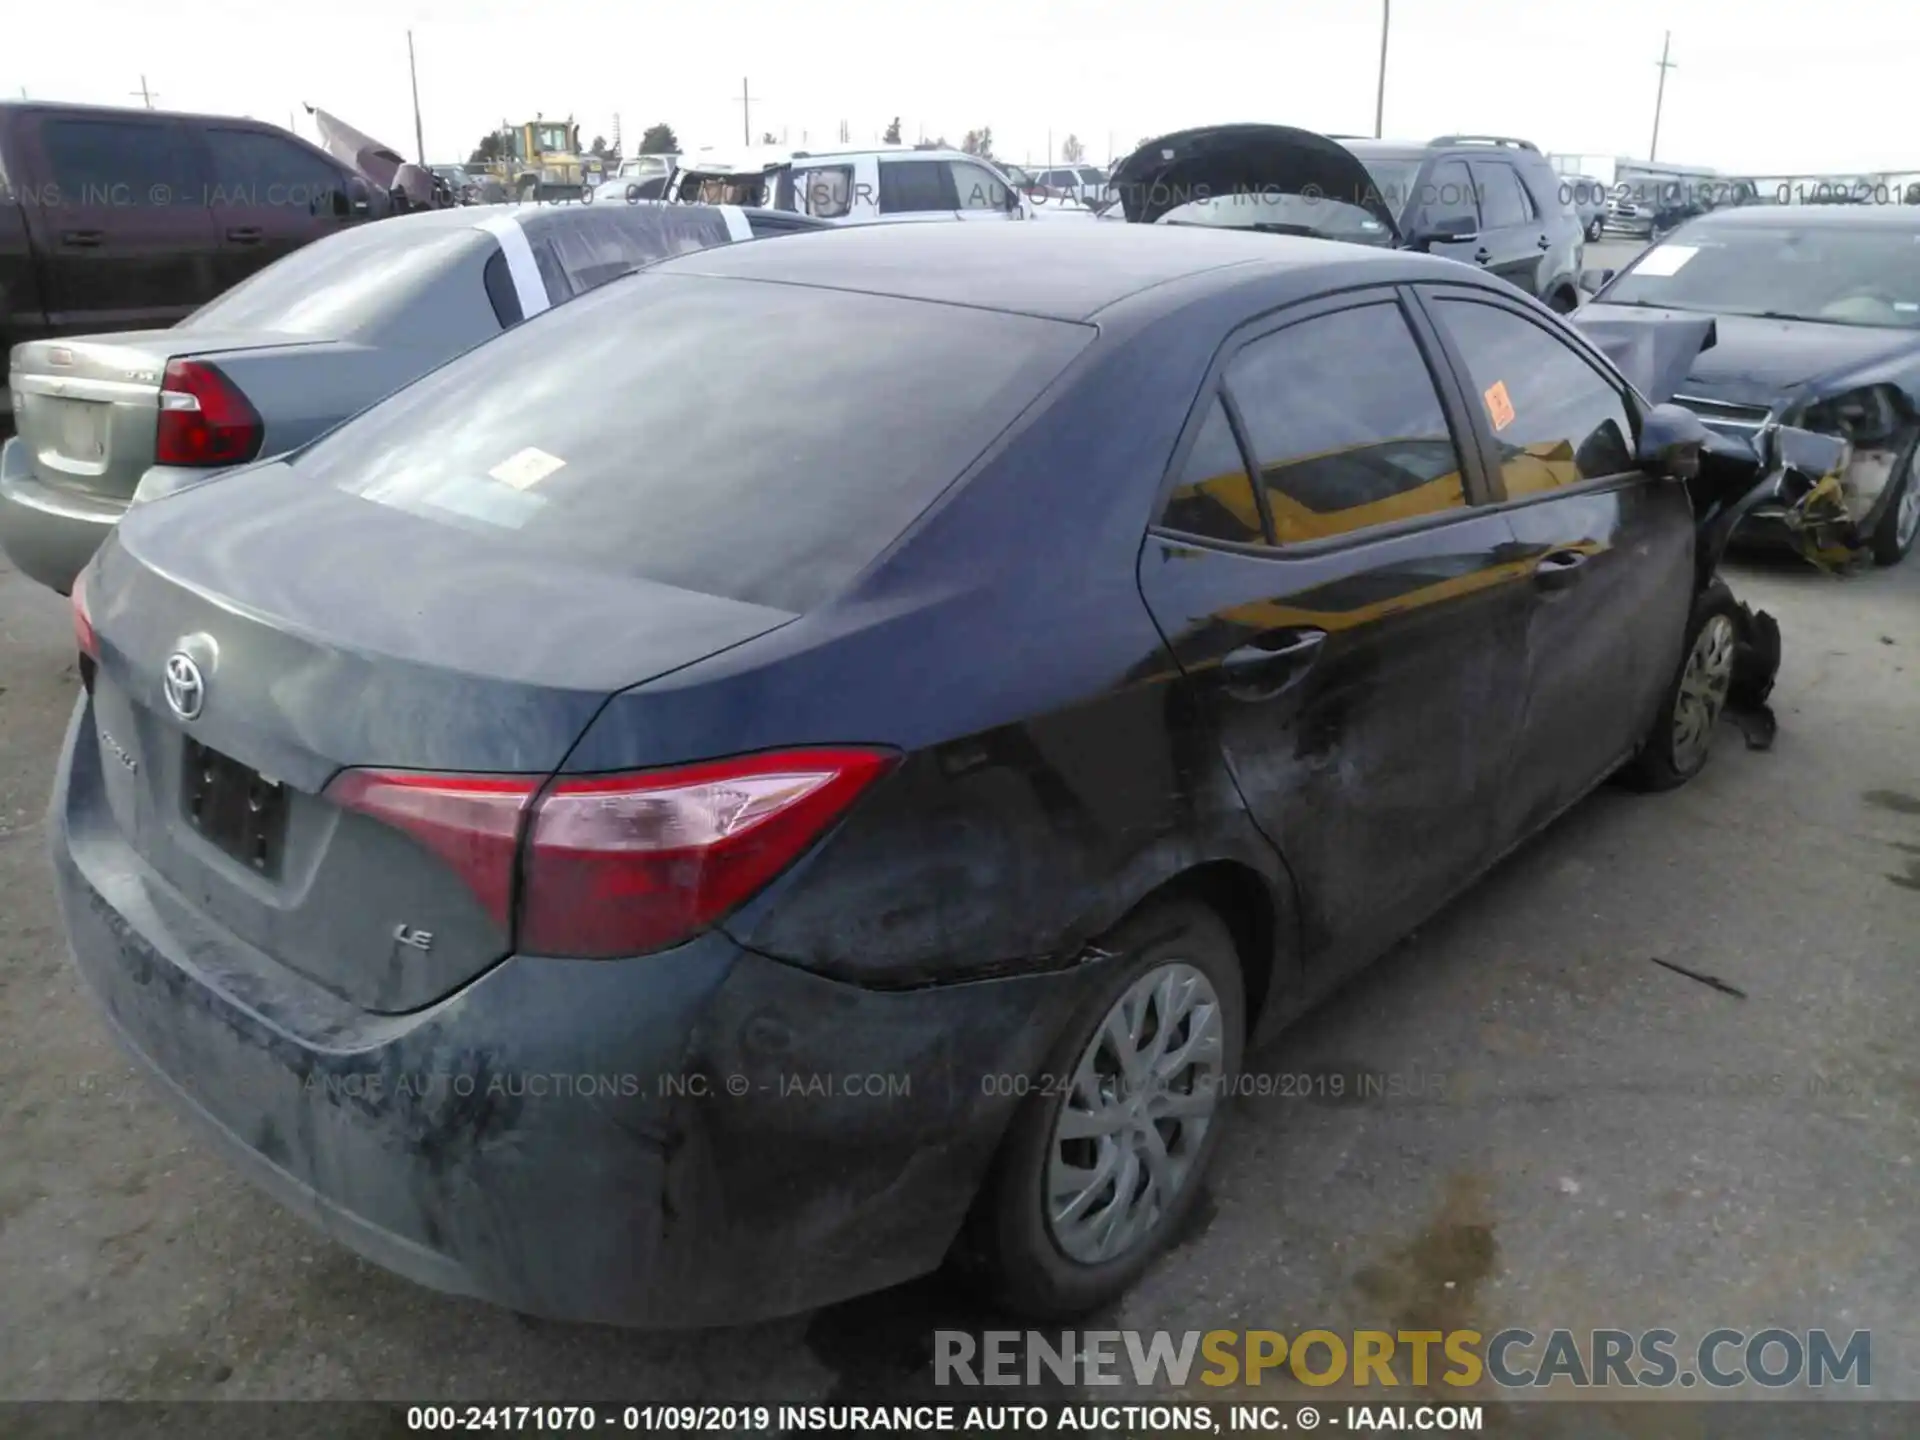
132 219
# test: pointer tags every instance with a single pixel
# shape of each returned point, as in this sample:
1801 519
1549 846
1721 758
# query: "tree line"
660 139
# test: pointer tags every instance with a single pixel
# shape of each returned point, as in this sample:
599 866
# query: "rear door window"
910 186
1345 424
1503 203
118 163
760 442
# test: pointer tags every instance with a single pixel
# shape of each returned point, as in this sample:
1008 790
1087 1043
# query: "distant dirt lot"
1613 1144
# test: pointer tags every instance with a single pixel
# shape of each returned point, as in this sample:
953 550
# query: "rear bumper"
48 534
700 1137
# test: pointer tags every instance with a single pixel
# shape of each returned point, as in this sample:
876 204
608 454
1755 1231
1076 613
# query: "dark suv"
1491 201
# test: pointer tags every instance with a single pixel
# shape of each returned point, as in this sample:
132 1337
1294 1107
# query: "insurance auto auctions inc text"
1512 1359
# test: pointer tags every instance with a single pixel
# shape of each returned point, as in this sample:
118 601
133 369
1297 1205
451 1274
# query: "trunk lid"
1263 161
89 407
474 659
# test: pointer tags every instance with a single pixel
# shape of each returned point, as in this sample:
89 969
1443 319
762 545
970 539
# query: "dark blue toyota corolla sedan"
812 761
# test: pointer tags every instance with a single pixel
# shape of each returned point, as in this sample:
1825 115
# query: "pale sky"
1757 89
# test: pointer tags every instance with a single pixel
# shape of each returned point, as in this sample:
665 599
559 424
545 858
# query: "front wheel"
1595 230
1101 1166
1899 525
1678 743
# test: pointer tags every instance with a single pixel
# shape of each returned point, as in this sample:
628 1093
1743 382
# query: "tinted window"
1345 424
1448 197
1556 419
1213 496
119 162
762 442
345 286
1501 202
251 167
580 247
500 292
1090 176
911 185
979 189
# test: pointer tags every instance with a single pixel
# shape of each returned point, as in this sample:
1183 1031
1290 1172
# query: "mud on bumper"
704 1136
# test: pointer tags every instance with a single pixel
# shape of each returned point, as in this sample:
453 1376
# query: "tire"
1563 301
1011 1248
1899 525
1680 740
1595 231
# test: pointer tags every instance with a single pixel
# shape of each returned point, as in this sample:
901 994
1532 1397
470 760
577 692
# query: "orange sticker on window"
1499 407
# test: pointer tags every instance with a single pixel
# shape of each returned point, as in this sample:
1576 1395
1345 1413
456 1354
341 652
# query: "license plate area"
235 808
81 431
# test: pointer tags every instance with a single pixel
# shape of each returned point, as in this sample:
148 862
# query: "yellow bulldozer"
539 159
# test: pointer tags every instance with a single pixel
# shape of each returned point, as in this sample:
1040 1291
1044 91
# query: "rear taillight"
625 864
621 864
83 635
470 821
204 419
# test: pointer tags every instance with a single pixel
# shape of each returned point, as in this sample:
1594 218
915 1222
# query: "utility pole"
746 112
144 93
1660 96
1380 93
419 139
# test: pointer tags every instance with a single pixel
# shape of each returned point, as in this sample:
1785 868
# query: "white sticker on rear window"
1666 260
526 469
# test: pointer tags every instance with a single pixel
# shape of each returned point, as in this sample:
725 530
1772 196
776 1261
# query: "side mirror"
1594 281
1455 231
1672 439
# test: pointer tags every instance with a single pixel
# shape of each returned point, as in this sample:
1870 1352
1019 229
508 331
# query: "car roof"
1812 217
108 112
1386 150
399 229
1064 272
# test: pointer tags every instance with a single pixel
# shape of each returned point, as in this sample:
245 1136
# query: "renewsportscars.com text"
1511 1359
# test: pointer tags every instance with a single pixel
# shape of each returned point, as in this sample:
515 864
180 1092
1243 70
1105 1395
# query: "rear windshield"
340 287
757 441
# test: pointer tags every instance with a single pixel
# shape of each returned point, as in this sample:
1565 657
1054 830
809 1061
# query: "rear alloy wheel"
1122 1147
1595 231
1681 739
1899 524
1104 1160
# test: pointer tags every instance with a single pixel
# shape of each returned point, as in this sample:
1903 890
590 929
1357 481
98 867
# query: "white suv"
852 187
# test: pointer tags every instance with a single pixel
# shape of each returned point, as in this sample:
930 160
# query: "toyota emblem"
185 686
